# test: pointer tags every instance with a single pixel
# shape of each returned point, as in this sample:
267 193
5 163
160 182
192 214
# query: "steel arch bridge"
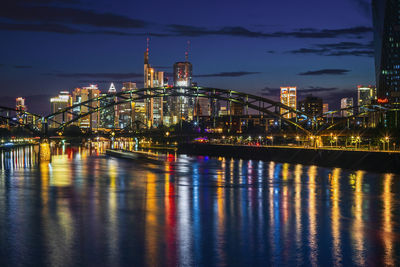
22 118
300 120
248 101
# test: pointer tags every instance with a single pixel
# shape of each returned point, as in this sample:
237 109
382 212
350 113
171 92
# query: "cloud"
325 72
46 1
22 67
316 89
112 76
227 74
20 12
62 29
194 31
338 49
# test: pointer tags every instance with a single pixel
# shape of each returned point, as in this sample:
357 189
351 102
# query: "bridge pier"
44 150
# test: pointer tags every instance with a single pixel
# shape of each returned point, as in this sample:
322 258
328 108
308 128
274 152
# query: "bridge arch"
257 103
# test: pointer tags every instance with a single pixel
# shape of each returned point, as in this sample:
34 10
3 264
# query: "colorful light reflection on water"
84 208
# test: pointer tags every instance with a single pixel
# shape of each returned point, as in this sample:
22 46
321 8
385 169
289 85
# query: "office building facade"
311 105
347 104
289 98
366 95
60 102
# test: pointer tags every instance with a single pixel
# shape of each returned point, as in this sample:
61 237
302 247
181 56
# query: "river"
87 209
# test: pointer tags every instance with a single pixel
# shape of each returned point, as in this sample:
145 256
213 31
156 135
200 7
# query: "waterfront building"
366 95
223 111
347 103
154 106
60 102
289 98
236 109
139 115
80 95
311 105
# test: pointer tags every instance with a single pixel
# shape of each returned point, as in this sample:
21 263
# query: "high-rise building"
289 98
311 105
126 112
60 102
182 107
80 95
203 107
325 108
154 105
366 95
109 115
347 103
20 104
386 21
183 74
21 107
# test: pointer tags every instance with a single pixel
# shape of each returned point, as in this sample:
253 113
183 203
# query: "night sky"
323 47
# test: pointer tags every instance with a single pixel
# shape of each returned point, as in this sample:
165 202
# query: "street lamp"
358 141
387 139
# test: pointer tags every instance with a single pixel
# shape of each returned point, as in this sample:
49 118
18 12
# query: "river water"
87 209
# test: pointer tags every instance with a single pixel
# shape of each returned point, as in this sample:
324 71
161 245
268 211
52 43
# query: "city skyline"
250 57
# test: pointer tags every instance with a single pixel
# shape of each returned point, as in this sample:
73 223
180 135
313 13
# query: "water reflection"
83 208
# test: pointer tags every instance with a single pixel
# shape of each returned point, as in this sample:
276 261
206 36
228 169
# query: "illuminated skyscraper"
325 108
126 111
366 95
183 74
387 48
20 104
83 94
153 79
183 106
109 115
60 102
347 103
289 98
21 107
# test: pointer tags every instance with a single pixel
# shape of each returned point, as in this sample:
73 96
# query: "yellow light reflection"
113 209
297 203
60 173
312 173
151 220
388 220
358 223
335 216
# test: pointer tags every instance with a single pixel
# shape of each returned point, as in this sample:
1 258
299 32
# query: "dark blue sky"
321 46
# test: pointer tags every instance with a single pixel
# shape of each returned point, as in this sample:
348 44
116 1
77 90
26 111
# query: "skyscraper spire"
187 51
146 54
112 89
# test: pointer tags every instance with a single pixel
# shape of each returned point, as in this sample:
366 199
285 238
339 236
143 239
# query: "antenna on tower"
146 54
187 51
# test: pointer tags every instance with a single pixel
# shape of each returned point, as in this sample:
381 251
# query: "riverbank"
374 161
